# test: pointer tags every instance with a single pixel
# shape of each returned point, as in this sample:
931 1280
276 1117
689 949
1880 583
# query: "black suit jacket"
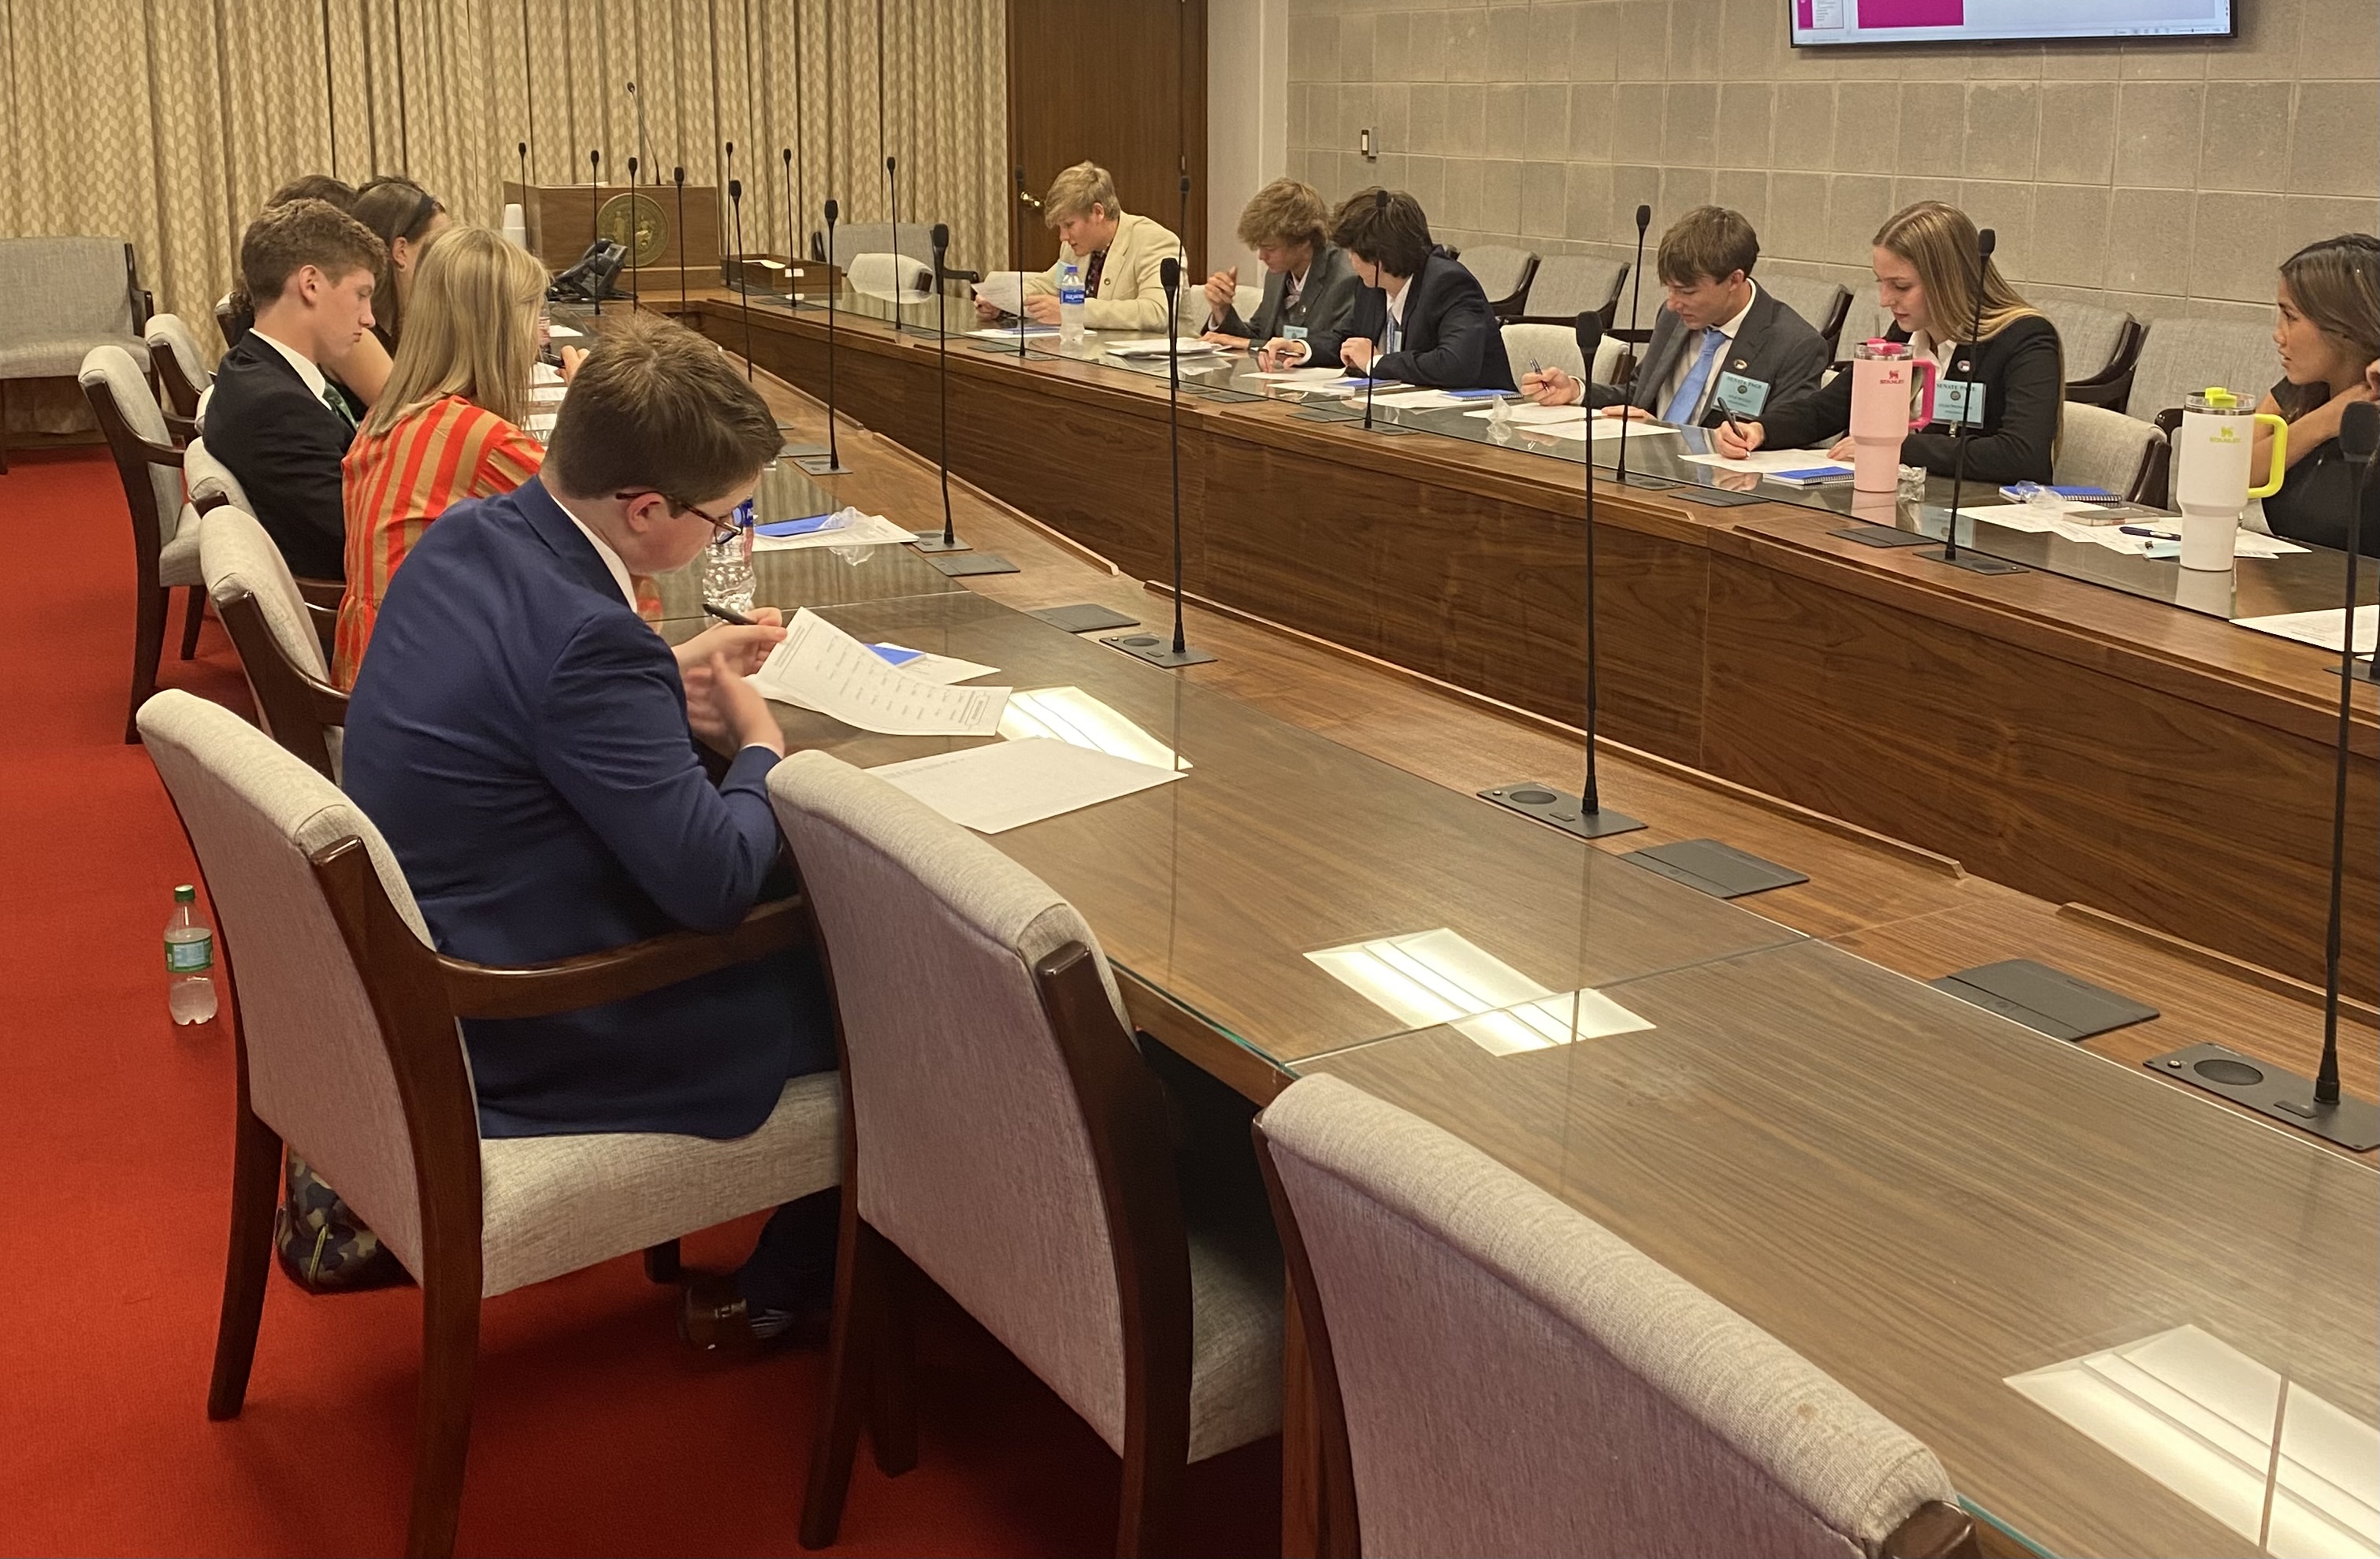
1449 337
2317 497
284 446
2022 373
1774 346
1322 308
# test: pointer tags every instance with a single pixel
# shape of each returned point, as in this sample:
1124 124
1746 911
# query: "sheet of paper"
1010 333
1009 784
1301 376
2040 519
1155 347
1004 290
565 333
2319 629
1526 414
944 669
820 667
1071 715
868 530
544 373
1420 400
1605 428
541 421
1767 460
1339 385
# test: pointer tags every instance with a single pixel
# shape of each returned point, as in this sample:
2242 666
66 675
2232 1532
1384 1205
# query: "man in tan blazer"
1118 253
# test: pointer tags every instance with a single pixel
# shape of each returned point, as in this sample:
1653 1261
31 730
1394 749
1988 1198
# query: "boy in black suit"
1721 345
1420 318
276 421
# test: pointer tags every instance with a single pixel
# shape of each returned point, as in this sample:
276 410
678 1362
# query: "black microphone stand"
793 252
1379 347
1974 562
1581 814
830 464
1016 257
524 168
635 281
677 175
892 195
595 221
1628 402
2319 1108
1148 646
743 271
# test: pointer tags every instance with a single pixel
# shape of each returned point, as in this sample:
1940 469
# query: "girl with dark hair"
2328 335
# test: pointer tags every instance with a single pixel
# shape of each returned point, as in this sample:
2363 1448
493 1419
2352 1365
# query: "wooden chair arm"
322 593
326 630
180 428
616 973
1934 1531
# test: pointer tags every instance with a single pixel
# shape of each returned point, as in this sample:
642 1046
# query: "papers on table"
2320 628
544 373
944 669
1766 462
1025 328
1070 714
1155 347
864 530
2042 521
541 421
563 333
1004 290
1337 385
1600 428
820 667
1006 785
1302 376
1419 400
1528 414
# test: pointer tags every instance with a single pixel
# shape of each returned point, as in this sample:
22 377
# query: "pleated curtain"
167 122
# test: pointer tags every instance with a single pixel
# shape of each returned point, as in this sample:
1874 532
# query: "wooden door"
1121 83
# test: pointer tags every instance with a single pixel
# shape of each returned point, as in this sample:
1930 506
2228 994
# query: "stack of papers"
1419 400
944 669
1004 290
1766 462
820 667
2040 519
865 531
1009 784
2320 628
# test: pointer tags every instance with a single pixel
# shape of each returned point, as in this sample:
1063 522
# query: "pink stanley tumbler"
1885 378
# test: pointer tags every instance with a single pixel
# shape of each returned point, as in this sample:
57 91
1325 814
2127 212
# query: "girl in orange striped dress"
448 426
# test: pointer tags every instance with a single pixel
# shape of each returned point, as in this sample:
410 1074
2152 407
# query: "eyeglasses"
723 528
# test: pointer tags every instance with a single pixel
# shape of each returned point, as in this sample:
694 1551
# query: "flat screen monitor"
1817 23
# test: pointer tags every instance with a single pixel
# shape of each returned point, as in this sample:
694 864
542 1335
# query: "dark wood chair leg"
450 1354
194 612
3 427
148 644
858 1299
255 1187
893 1422
662 1263
1147 1520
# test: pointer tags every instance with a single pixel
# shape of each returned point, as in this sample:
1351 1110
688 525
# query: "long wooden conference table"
2072 740
1924 1198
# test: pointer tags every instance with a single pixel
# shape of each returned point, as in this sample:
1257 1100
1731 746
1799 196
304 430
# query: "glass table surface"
2083 1288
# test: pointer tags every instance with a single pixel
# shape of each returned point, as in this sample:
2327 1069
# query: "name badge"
1739 395
1959 402
1293 331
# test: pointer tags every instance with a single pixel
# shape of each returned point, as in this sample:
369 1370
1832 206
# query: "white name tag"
1739 395
1959 402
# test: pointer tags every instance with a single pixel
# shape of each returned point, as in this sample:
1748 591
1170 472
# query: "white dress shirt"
611 559
306 367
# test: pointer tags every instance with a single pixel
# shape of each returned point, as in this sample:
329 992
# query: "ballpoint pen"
2154 535
727 614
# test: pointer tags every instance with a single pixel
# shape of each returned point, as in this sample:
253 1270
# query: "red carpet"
596 1432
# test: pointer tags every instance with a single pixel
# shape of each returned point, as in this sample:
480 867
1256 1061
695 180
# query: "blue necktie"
1690 393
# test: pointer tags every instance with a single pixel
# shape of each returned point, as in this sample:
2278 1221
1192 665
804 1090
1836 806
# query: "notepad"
1812 476
944 669
1009 784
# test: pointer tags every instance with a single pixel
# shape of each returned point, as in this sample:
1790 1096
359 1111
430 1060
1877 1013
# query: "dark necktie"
1091 277
338 405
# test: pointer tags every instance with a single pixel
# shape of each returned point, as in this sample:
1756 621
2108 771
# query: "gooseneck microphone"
892 194
1148 646
2359 440
678 176
643 152
1582 815
1635 302
743 271
635 282
830 463
941 241
1016 256
1986 241
524 168
1379 347
793 253
595 219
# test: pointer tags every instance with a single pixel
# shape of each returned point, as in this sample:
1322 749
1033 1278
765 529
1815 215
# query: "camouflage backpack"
324 1246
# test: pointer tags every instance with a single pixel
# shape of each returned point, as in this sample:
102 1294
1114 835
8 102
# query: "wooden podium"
562 219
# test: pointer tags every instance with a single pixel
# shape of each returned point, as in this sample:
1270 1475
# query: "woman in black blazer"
1924 261
2328 333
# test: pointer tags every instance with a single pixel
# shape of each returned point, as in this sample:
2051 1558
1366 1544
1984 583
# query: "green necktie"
338 405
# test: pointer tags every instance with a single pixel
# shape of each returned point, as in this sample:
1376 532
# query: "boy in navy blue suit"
526 743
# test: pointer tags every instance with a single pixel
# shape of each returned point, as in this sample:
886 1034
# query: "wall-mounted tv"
1816 23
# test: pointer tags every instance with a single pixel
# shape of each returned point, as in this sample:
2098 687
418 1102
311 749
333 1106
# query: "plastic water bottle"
190 953
727 565
1070 306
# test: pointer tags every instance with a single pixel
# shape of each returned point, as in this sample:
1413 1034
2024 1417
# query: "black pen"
728 614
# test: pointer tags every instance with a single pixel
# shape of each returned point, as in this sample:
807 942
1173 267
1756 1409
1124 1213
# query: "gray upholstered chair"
2181 357
181 367
348 1053
1503 274
209 481
894 278
1556 345
165 555
2097 447
1498 1373
1823 305
1567 286
283 639
1246 299
66 295
2102 350
1006 1137
851 239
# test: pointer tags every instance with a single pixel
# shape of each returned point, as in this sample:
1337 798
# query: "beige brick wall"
2164 179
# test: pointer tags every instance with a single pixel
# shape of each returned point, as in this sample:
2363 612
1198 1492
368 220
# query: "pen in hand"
728 614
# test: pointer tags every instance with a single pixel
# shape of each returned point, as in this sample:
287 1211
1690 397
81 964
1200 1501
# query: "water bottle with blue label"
727 565
1070 306
190 961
